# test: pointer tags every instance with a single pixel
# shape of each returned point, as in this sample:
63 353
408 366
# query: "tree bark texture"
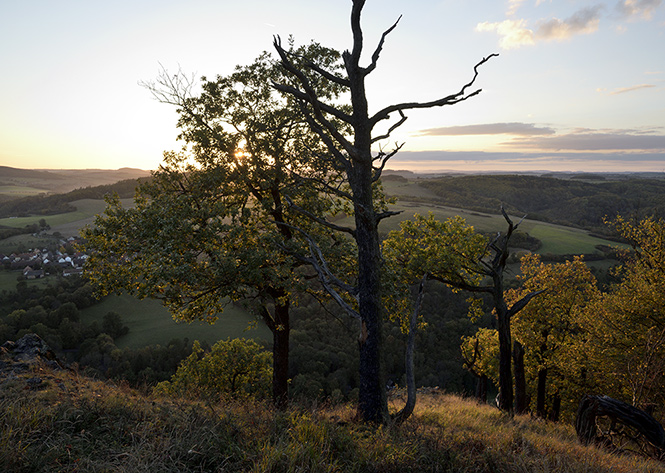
280 361
505 346
521 402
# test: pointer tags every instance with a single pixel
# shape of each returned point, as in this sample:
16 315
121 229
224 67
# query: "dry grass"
70 423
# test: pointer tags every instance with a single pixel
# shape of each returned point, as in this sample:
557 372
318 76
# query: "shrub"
238 368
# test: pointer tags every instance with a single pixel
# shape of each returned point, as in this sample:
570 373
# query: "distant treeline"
61 203
563 201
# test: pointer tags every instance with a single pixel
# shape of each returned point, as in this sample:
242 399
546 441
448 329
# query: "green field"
85 210
556 239
20 191
67 224
150 323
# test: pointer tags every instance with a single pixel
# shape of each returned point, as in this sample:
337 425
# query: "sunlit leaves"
627 330
551 328
449 250
237 368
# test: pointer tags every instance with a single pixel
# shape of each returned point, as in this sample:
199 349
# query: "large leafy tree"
626 342
217 221
551 331
353 154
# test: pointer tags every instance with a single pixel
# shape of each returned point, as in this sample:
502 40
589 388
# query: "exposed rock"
29 350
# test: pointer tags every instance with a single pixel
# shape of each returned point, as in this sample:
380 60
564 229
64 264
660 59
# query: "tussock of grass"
69 423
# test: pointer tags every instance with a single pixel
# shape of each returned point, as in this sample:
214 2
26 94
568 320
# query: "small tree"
550 329
453 254
237 368
626 343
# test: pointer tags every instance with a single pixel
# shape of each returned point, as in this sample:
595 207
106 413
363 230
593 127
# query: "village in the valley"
42 262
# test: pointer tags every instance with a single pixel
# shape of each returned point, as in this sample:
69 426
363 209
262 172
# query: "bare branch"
384 157
357 32
386 214
449 100
325 275
299 94
377 52
329 75
386 135
521 304
320 220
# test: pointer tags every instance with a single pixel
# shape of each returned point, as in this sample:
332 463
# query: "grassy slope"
70 423
150 323
556 239
86 209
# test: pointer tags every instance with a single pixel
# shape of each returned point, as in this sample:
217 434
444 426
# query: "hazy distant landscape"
477 198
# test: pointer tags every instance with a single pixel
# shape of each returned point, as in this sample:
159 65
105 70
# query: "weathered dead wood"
606 421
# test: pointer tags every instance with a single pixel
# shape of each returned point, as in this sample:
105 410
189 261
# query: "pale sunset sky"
578 86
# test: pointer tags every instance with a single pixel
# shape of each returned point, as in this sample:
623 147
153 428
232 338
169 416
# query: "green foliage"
237 368
627 327
215 223
446 251
551 331
481 353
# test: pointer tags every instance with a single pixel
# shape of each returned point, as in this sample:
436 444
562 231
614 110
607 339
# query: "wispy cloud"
624 90
584 21
521 129
641 8
515 32
623 140
513 6
512 33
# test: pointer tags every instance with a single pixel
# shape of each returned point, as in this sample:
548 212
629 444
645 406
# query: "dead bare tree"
353 154
492 267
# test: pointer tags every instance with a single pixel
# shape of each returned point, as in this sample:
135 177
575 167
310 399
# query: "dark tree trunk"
556 408
362 170
372 401
481 388
540 393
521 403
280 361
505 346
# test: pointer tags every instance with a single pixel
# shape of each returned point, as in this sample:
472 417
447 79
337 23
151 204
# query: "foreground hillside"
54 420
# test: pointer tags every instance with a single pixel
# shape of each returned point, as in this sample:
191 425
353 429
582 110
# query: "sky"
578 85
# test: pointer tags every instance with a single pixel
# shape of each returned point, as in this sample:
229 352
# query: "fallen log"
606 421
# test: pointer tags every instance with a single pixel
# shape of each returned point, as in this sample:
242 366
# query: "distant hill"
61 203
16 183
571 202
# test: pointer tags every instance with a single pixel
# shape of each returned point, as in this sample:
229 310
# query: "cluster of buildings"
36 264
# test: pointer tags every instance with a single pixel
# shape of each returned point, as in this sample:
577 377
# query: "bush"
238 368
